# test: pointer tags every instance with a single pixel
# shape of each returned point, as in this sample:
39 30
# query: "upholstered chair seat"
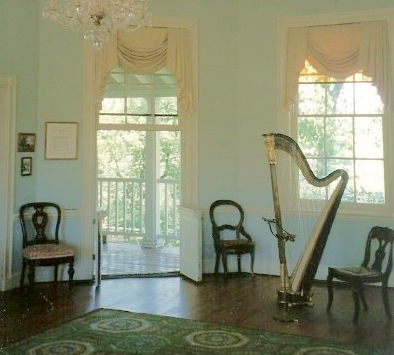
47 251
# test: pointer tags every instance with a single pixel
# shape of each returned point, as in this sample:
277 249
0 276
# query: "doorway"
138 174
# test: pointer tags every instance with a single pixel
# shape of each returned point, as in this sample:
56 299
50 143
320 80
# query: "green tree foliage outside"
122 154
340 126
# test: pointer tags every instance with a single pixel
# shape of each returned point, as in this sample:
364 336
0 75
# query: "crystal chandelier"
98 18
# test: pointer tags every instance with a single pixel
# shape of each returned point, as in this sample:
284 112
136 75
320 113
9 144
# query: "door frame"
189 139
7 279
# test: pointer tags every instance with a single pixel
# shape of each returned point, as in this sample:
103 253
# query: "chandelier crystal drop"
98 18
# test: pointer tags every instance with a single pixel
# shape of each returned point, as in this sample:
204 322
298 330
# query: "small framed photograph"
26 166
61 140
26 142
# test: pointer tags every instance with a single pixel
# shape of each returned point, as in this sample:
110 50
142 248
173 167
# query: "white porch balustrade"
124 200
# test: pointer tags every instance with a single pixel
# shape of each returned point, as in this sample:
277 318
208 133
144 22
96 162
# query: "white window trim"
285 122
189 138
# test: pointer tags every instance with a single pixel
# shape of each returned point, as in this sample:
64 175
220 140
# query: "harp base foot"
292 299
285 318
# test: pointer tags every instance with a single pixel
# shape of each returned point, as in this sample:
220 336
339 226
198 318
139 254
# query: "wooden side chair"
38 249
241 244
370 271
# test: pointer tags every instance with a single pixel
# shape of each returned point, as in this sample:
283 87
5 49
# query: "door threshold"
154 274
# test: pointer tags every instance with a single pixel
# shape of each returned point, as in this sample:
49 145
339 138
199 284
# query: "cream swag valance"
339 51
145 51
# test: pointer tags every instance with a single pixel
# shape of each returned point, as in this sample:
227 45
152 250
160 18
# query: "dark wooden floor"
240 300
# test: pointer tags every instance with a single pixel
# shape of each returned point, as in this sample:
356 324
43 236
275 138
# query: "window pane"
339 141
166 105
347 165
311 99
340 98
367 99
370 181
369 137
138 101
170 120
311 136
165 80
116 77
112 119
113 105
138 119
142 80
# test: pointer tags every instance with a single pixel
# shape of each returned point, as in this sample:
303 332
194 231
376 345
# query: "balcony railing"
125 202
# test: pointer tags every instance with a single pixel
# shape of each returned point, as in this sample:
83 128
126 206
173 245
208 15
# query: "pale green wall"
237 103
61 80
19 57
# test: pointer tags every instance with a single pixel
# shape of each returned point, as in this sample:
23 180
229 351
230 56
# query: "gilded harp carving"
295 290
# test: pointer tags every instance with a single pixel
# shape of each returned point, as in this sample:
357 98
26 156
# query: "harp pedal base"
294 299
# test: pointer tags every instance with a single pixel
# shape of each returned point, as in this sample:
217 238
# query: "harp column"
270 148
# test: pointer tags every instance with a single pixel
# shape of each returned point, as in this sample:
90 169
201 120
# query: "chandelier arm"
98 19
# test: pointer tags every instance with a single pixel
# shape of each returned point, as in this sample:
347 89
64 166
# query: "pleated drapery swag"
145 51
339 51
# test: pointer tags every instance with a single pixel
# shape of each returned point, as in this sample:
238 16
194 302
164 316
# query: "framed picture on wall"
61 140
26 166
26 142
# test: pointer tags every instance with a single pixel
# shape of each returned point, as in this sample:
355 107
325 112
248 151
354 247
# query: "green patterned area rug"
106 332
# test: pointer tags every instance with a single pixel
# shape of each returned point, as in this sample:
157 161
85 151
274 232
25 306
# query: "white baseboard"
10 283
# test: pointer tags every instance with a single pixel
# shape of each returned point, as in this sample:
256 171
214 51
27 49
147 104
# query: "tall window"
138 142
339 124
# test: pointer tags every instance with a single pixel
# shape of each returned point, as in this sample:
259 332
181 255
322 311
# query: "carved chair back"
39 218
238 228
384 238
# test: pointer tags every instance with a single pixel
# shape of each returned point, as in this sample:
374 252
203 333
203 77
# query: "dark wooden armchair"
370 271
38 250
242 243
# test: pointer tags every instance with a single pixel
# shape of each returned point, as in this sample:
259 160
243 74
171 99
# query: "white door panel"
191 243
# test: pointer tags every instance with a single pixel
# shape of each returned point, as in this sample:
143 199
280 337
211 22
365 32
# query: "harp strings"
299 215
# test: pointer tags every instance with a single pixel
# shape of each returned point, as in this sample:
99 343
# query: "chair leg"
362 296
217 263
356 299
55 274
71 272
31 274
239 262
330 291
224 261
252 263
22 280
386 299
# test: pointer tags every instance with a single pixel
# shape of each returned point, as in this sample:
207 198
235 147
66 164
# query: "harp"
295 290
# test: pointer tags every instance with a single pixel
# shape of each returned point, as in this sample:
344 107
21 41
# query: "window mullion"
325 134
354 144
152 99
125 94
